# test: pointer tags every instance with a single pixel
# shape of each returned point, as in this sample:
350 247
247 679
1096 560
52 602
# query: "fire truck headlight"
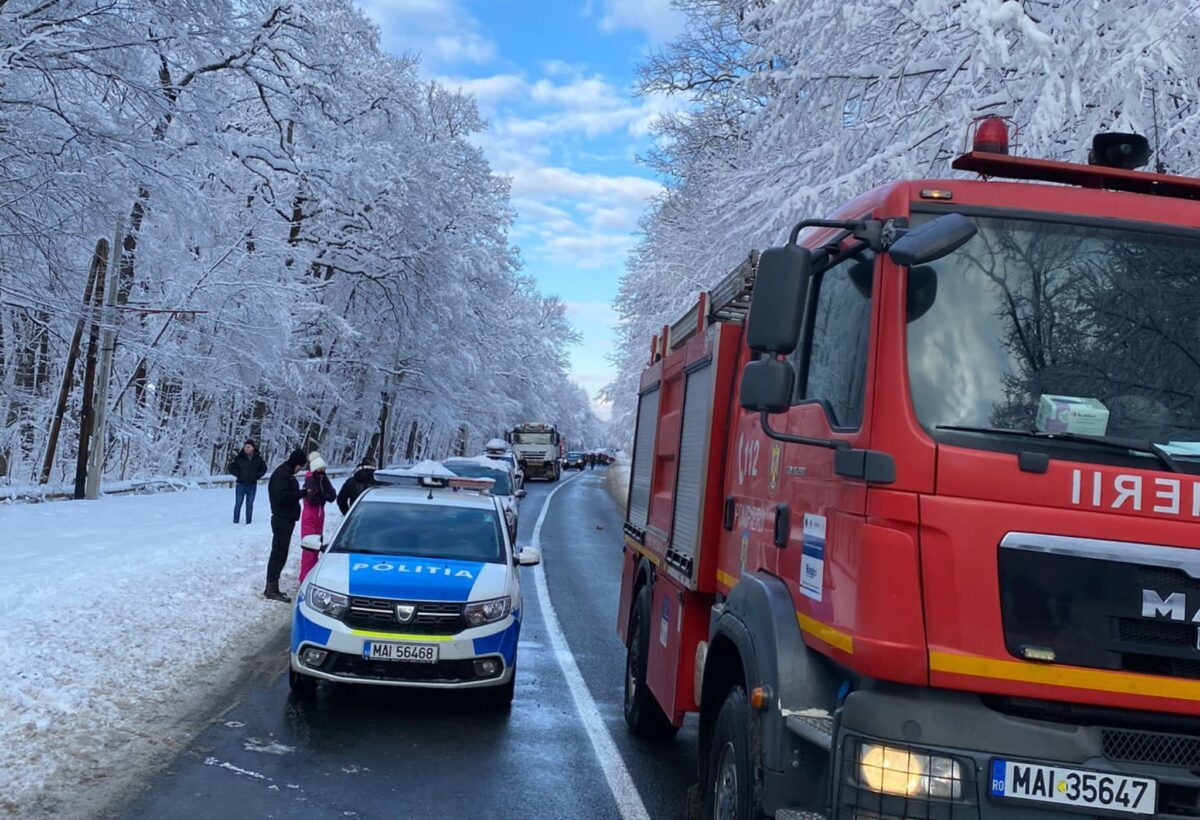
485 612
903 772
331 603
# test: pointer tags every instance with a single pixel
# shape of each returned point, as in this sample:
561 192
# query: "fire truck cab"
914 512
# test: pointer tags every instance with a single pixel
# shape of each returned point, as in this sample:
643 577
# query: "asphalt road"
368 752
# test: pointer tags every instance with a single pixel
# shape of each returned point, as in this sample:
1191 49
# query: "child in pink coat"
318 491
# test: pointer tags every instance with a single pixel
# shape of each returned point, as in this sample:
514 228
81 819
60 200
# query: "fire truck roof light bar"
1073 173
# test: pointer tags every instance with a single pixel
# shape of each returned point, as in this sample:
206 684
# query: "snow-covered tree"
799 105
310 249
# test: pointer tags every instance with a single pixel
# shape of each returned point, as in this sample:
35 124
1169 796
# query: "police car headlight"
331 603
485 612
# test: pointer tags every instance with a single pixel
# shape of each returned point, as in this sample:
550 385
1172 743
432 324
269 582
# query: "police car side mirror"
529 557
521 493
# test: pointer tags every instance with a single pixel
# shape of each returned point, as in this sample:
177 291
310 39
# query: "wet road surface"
379 752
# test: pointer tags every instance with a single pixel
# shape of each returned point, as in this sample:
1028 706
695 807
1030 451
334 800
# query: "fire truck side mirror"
933 240
777 304
767 385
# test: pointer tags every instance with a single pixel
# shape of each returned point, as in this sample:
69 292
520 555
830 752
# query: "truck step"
816 729
796 814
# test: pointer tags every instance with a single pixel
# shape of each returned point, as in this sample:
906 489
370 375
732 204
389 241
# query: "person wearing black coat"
247 467
284 492
352 487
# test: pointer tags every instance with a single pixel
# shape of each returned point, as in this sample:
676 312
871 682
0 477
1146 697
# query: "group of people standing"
293 502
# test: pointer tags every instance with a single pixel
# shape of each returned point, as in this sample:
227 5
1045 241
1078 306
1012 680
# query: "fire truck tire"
730 790
644 716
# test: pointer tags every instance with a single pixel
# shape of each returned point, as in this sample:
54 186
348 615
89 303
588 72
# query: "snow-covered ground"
118 618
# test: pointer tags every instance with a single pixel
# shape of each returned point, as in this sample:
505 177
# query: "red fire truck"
914 511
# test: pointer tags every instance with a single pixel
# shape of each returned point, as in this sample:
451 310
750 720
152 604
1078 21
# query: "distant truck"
538 449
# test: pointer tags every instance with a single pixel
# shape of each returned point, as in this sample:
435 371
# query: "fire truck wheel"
729 792
642 712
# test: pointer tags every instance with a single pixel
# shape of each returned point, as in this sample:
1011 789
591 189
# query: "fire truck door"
825 512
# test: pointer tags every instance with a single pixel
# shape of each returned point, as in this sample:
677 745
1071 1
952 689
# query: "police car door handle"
782 525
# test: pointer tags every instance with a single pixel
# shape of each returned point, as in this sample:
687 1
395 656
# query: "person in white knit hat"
318 491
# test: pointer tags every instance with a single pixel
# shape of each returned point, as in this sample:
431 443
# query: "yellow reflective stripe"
824 632
391 636
1071 677
634 545
726 579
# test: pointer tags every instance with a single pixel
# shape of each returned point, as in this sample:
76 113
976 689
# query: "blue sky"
554 79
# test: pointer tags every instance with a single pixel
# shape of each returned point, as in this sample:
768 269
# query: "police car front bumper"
475 658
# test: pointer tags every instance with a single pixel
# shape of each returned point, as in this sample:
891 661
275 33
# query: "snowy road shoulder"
118 617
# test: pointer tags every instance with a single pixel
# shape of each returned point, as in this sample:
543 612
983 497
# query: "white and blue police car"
419 587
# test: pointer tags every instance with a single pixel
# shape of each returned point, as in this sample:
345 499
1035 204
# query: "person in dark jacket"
284 491
247 467
352 487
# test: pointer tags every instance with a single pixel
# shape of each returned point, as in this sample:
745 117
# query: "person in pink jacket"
318 491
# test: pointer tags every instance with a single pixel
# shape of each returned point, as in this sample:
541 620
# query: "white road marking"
624 792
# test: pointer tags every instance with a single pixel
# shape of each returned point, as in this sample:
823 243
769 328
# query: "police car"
505 486
419 587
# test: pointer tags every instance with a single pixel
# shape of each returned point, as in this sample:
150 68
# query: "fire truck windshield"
1035 315
533 438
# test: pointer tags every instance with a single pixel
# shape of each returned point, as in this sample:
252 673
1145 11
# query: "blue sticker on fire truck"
812 562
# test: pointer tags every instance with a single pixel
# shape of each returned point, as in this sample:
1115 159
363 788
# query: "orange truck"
914 512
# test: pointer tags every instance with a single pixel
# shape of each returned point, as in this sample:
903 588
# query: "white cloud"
488 91
598 313
564 183
655 18
442 31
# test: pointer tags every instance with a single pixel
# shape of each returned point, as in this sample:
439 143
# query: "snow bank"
118 618
152 484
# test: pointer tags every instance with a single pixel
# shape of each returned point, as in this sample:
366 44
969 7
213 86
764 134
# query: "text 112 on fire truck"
917 537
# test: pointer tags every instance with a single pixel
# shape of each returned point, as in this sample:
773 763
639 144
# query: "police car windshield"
501 487
422 531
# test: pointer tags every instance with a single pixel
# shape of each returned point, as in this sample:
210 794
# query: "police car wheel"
501 697
303 686
643 715
729 790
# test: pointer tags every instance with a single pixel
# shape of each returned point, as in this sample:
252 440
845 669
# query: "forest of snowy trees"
309 250
796 106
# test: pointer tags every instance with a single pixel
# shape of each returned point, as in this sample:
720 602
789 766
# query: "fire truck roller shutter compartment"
693 461
643 458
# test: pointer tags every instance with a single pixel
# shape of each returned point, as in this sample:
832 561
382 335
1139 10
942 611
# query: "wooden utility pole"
100 416
68 379
89 373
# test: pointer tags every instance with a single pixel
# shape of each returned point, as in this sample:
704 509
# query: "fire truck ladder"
729 301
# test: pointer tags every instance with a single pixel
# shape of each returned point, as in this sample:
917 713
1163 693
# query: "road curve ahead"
367 752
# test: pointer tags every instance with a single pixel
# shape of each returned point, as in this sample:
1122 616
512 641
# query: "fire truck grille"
1092 612
379 614
1128 746
1169 633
